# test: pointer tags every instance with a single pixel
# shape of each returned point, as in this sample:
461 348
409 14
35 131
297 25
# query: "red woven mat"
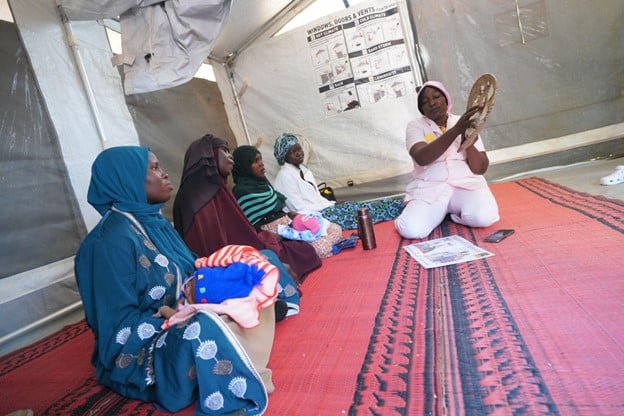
535 329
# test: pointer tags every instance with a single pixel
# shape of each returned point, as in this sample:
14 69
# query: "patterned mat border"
605 210
17 359
416 364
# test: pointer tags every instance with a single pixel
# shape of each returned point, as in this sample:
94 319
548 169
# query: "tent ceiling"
246 21
165 42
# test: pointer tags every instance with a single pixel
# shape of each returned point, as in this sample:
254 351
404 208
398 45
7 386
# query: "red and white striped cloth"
245 311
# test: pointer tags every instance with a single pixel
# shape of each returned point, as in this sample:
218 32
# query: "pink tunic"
450 169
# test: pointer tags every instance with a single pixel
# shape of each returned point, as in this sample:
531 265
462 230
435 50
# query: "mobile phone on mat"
498 236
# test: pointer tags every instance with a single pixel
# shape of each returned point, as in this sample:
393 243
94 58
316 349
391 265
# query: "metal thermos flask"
365 229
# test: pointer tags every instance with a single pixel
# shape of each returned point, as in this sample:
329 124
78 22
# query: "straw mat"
535 329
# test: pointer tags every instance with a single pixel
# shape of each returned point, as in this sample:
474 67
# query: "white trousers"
476 208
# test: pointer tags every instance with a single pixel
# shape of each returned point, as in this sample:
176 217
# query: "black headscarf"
200 180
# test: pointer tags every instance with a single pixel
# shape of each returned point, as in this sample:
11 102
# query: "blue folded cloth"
343 243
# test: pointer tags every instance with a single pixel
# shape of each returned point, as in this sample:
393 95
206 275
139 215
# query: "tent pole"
411 40
230 76
44 321
71 41
288 12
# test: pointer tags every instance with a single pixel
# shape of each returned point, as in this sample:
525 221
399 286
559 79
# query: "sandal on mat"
482 93
616 177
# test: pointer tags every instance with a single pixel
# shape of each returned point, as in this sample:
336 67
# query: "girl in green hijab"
265 207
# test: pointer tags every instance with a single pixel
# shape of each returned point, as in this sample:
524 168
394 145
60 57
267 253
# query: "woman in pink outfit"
445 180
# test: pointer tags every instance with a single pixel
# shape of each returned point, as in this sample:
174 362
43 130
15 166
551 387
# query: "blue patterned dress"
124 279
133 355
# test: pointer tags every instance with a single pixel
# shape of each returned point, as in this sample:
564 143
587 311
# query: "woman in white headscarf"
295 181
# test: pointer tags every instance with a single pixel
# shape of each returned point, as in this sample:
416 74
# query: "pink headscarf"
438 86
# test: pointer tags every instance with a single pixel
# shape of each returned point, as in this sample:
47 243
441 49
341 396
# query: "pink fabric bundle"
306 222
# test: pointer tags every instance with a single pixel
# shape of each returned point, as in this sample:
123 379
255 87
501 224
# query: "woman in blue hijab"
129 269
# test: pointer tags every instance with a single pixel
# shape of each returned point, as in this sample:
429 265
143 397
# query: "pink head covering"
438 86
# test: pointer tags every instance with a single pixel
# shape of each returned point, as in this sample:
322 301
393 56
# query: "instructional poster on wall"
360 57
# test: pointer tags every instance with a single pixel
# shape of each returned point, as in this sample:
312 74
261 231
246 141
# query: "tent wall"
40 219
560 68
88 111
277 90
559 78
66 105
169 120
69 121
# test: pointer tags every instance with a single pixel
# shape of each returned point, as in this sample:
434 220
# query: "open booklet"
446 250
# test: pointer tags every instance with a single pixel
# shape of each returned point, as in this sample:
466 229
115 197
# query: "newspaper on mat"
446 250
